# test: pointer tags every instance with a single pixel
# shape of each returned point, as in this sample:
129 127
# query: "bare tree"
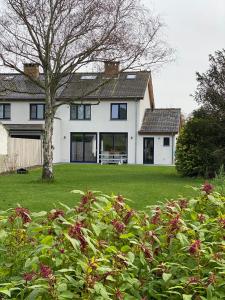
64 35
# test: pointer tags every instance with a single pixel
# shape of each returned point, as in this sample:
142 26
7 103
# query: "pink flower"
28 276
195 247
201 218
208 188
119 226
147 253
119 295
175 224
23 213
45 271
222 223
183 203
157 216
193 280
128 216
56 214
75 231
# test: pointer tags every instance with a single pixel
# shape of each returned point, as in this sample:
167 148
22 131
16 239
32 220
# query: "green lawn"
145 185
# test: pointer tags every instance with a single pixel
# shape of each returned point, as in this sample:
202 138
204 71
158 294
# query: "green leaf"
39 214
126 235
183 239
166 276
3 234
77 192
187 297
5 292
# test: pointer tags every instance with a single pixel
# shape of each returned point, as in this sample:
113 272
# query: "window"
5 111
119 111
88 77
131 76
166 141
37 111
80 112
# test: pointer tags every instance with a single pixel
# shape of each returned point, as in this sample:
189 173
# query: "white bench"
112 158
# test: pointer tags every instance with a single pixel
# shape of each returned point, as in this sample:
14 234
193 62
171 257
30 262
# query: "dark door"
83 147
148 151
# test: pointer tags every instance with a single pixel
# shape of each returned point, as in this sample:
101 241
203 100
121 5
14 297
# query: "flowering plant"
103 249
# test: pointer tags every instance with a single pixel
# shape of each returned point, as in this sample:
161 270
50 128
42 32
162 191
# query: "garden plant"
103 249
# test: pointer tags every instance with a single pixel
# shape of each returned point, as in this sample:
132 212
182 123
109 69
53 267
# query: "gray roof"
163 120
24 127
115 88
18 87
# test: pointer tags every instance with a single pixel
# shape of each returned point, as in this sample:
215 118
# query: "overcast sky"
195 28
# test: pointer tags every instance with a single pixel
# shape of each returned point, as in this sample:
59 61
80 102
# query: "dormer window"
88 77
5 111
131 76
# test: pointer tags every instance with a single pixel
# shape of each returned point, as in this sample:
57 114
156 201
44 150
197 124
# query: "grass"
145 185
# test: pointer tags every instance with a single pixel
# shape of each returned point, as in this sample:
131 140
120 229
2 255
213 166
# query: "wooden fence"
22 153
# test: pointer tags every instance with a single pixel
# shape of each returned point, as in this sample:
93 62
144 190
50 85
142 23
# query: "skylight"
8 77
90 77
131 76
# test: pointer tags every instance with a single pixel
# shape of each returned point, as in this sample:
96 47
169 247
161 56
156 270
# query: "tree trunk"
47 169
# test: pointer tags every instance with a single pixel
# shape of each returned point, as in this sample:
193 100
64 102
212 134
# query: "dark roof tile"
163 120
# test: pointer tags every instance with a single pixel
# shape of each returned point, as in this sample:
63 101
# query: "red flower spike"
119 226
45 271
23 213
29 276
128 216
207 188
195 247
119 295
56 214
76 232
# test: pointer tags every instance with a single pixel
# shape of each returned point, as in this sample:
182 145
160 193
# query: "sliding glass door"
114 144
83 147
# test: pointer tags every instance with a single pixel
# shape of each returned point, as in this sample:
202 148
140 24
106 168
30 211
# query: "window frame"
164 144
119 118
84 114
36 118
4 105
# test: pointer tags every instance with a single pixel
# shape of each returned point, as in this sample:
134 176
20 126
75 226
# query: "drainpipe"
172 148
136 128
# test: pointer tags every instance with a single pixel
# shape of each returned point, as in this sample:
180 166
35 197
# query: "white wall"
3 140
20 113
100 122
163 155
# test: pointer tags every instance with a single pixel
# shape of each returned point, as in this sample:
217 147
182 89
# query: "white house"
118 121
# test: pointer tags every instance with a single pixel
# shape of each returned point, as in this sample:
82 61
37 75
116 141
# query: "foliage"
201 146
102 249
211 88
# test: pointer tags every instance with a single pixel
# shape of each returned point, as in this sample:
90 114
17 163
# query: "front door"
148 151
84 147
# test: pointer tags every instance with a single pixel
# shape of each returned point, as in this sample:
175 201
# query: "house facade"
117 121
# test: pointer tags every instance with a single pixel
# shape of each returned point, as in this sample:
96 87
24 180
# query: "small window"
119 111
88 77
5 111
80 112
37 111
131 76
166 141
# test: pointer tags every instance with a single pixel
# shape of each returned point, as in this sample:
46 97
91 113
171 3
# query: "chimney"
32 70
112 68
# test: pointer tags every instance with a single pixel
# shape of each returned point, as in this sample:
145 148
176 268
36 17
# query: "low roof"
18 87
163 120
28 127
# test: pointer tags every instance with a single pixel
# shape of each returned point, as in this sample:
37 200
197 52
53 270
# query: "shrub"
103 249
200 147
